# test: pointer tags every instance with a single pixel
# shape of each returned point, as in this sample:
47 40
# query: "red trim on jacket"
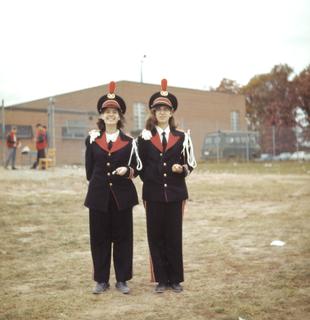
171 141
117 145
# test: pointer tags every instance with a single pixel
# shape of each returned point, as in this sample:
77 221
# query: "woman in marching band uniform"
167 157
111 163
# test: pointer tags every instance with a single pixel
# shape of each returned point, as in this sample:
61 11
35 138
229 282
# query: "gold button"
108 164
111 184
165 174
109 173
165 163
165 185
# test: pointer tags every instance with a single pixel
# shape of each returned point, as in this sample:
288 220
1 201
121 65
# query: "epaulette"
146 134
93 134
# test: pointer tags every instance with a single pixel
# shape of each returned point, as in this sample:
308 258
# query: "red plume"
112 87
164 85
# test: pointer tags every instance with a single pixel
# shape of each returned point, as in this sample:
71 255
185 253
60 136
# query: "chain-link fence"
67 129
66 132
266 144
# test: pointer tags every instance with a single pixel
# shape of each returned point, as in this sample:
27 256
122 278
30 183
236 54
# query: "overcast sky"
50 47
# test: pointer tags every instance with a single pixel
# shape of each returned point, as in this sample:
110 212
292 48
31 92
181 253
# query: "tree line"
277 106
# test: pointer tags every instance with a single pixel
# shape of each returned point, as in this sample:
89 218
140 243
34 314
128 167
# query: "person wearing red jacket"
41 144
11 143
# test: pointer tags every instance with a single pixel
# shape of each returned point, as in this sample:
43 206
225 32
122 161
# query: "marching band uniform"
111 197
164 192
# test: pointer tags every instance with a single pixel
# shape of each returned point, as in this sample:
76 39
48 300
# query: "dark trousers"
107 229
164 231
40 154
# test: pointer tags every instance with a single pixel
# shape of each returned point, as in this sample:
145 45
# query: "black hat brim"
119 100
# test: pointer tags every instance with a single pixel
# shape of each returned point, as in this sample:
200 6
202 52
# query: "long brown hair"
120 123
151 122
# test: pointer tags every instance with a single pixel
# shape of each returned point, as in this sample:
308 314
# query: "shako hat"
163 98
111 100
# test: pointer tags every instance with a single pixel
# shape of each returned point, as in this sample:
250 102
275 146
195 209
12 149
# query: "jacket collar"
121 141
173 139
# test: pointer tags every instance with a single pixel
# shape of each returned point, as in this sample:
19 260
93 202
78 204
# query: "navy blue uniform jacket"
160 183
100 163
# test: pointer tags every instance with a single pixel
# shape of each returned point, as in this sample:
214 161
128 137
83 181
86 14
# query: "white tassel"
134 149
188 149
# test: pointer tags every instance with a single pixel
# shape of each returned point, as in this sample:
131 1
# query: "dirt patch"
231 270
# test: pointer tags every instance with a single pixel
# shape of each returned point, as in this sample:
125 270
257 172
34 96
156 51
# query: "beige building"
70 116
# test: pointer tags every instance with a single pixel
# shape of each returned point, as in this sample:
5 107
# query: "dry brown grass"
231 270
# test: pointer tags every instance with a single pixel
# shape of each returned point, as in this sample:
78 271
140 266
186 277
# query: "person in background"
167 157
111 162
41 144
12 144
47 137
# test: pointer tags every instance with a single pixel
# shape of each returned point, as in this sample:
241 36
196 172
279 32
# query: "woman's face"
110 116
163 114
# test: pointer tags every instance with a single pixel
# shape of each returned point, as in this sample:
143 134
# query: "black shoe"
176 287
101 287
160 288
14 168
122 287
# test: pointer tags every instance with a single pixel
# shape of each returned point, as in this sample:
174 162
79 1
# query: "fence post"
247 147
3 133
273 141
51 122
218 147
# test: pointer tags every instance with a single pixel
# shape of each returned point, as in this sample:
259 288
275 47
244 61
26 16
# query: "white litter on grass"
277 243
239 318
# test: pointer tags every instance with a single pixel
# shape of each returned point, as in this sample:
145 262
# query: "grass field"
231 270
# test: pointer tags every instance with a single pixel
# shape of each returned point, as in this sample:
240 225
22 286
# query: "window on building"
139 116
23 132
235 120
8 128
74 129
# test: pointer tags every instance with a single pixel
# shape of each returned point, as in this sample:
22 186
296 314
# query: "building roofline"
120 82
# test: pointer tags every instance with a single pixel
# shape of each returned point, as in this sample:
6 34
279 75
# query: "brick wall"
198 110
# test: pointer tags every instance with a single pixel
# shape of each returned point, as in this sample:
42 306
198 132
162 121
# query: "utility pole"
141 68
51 122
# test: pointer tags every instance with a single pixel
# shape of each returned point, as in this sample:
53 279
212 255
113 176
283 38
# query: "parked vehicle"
284 156
300 155
228 145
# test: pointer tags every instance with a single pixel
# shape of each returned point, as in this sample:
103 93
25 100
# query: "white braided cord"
134 149
188 150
